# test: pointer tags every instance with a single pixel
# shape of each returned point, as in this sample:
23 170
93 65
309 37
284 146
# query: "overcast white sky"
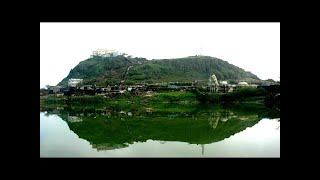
254 47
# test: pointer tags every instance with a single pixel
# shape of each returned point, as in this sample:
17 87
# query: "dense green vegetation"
124 101
242 95
110 70
159 100
101 70
174 97
188 69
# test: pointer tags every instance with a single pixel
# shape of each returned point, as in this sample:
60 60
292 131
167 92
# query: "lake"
169 132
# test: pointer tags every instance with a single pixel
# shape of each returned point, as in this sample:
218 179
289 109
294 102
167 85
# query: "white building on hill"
74 82
105 53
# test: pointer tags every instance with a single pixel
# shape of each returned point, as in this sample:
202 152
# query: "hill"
111 70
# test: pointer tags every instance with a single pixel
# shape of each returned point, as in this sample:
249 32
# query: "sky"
254 47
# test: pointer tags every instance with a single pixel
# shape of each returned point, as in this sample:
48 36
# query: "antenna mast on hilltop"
200 51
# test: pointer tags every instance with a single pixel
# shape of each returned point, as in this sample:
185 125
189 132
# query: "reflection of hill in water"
108 129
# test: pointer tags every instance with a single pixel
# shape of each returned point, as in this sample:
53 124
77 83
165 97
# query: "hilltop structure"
105 53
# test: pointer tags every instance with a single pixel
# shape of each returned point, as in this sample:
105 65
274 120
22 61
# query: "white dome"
223 82
243 83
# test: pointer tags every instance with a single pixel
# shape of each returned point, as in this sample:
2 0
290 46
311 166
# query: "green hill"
111 70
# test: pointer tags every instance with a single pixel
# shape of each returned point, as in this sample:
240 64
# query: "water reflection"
109 129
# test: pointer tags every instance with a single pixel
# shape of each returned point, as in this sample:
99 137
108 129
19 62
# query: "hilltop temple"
105 53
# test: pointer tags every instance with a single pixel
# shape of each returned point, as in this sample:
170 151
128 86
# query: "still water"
202 132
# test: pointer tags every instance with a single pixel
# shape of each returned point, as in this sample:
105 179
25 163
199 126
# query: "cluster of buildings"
59 90
76 88
223 87
107 53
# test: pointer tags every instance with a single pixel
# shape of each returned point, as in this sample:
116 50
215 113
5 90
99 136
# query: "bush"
234 97
249 92
129 82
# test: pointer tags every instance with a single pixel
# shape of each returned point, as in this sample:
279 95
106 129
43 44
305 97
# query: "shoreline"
157 99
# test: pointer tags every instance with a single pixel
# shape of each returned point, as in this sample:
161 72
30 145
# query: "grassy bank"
124 101
240 96
159 100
